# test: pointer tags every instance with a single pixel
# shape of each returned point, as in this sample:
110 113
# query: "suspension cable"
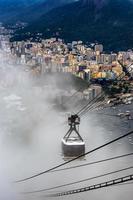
80 181
96 186
67 162
92 163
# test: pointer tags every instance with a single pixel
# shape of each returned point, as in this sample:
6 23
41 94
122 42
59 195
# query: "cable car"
72 142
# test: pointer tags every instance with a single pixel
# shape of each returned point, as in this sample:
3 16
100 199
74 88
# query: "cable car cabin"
73 147
72 143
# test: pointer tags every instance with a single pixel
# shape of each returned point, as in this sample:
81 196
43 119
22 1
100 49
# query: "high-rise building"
106 58
98 47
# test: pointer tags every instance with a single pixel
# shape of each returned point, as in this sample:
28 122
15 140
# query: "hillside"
12 11
108 22
9 9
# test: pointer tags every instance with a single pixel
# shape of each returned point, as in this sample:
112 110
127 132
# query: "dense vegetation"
12 11
111 24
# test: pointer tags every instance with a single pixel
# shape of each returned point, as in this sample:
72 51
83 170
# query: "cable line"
90 103
121 76
93 106
100 95
95 187
67 162
80 181
92 163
